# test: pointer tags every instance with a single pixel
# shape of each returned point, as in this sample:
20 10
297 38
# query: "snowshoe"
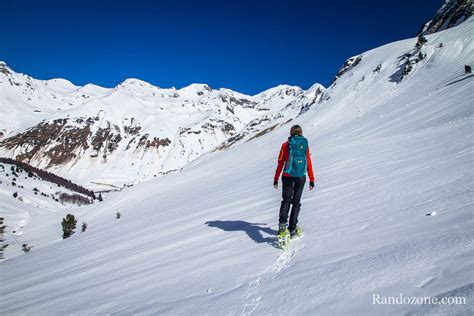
295 233
281 229
283 237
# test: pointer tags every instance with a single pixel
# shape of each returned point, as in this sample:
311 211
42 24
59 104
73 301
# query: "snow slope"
392 212
23 197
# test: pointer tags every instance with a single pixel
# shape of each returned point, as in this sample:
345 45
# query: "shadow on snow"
253 230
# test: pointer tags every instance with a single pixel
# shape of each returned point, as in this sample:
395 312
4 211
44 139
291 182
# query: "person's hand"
275 184
311 186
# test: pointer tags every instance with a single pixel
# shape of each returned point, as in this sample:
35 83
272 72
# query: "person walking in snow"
295 160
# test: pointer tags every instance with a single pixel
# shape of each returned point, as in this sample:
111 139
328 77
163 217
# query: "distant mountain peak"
197 86
133 131
134 82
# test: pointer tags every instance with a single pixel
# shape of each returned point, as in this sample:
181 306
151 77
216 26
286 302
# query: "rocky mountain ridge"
135 130
452 13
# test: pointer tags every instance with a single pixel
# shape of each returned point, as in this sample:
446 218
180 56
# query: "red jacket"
283 158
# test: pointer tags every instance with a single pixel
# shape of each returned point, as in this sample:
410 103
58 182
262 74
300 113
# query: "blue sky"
247 46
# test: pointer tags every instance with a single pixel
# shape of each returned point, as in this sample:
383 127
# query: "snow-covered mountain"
452 13
106 138
391 215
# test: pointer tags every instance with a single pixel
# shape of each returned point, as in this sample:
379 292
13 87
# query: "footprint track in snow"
425 282
282 261
252 300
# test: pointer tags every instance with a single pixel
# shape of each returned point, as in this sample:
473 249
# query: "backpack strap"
289 164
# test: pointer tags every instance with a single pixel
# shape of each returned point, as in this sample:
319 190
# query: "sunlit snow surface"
385 155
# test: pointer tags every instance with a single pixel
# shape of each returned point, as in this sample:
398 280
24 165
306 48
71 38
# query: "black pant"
292 189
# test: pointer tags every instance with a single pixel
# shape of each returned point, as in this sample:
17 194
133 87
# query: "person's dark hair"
296 130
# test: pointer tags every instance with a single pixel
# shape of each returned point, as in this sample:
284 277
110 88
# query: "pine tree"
100 197
69 225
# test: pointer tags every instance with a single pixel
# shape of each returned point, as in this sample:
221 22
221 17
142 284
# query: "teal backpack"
296 164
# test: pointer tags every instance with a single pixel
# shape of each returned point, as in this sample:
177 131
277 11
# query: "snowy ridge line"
135 131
